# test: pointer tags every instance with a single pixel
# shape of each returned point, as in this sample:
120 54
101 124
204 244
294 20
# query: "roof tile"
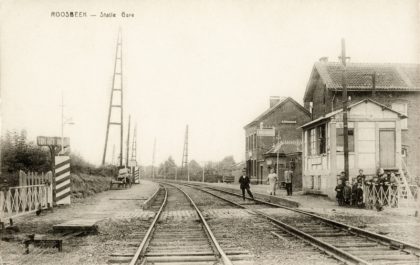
389 76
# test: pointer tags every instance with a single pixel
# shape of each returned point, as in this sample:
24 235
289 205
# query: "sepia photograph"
209 132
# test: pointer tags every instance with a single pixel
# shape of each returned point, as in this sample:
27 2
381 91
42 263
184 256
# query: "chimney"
274 100
323 59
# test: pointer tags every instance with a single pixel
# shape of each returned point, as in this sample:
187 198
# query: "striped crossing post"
136 175
62 180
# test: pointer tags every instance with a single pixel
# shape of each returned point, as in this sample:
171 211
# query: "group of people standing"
352 195
272 179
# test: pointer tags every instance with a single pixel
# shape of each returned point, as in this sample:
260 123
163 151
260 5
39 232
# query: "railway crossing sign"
61 186
52 141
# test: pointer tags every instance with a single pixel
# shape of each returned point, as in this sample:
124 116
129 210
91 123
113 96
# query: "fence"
17 201
389 195
383 195
31 178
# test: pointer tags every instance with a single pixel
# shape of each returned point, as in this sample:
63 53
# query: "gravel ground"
253 233
387 222
400 223
118 218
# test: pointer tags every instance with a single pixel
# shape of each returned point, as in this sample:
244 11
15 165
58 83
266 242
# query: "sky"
210 64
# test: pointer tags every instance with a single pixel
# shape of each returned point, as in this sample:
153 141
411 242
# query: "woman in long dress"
272 179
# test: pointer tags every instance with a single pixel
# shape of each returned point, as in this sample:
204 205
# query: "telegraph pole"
134 145
185 155
153 159
117 89
128 142
204 166
345 99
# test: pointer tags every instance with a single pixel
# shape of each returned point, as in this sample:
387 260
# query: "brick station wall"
288 111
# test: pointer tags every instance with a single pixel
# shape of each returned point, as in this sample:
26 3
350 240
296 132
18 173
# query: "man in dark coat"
339 189
288 175
244 181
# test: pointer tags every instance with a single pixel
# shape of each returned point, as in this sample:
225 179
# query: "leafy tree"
19 154
167 169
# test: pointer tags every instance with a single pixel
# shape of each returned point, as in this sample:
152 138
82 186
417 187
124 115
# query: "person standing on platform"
272 180
359 194
288 175
347 193
339 189
244 181
361 177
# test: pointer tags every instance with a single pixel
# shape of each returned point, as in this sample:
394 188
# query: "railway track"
182 240
346 243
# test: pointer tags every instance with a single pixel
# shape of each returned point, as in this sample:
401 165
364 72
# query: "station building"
396 86
278 125
375 134
288 154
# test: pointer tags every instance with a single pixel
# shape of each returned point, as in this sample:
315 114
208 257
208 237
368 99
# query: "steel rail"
225 259
328 248
148 234
413 249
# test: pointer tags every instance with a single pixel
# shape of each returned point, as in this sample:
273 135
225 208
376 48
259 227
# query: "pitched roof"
277 105
389 76
329 115
285 148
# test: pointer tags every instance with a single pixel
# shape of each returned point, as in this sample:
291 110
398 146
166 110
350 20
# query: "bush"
17 153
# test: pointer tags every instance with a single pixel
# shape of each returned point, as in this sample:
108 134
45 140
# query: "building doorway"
387 148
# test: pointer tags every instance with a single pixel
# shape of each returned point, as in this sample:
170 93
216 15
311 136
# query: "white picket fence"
31 178
21 200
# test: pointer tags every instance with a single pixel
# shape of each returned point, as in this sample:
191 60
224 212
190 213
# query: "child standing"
347 193
339 190
359 195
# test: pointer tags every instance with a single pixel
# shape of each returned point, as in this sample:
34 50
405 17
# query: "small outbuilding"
286 155
374 140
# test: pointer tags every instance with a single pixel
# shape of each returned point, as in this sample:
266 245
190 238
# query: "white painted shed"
374 142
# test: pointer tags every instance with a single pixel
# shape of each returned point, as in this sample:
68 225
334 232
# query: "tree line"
18 153
213 170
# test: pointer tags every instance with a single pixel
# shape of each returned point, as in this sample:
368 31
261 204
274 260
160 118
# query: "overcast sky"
209 64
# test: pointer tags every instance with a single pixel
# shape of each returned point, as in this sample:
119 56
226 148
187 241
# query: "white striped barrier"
137 176
62 180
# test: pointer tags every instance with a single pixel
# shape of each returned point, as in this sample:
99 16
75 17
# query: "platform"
78 225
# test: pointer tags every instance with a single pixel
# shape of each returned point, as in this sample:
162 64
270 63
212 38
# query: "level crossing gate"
35 194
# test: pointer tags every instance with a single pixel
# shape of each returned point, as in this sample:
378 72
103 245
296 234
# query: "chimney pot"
274 100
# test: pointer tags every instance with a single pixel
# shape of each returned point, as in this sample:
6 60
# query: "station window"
317 143
340 139
319 183
404 151
312 182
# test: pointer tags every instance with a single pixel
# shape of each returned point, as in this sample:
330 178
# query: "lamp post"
64 121
343 59
204 165
278 150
